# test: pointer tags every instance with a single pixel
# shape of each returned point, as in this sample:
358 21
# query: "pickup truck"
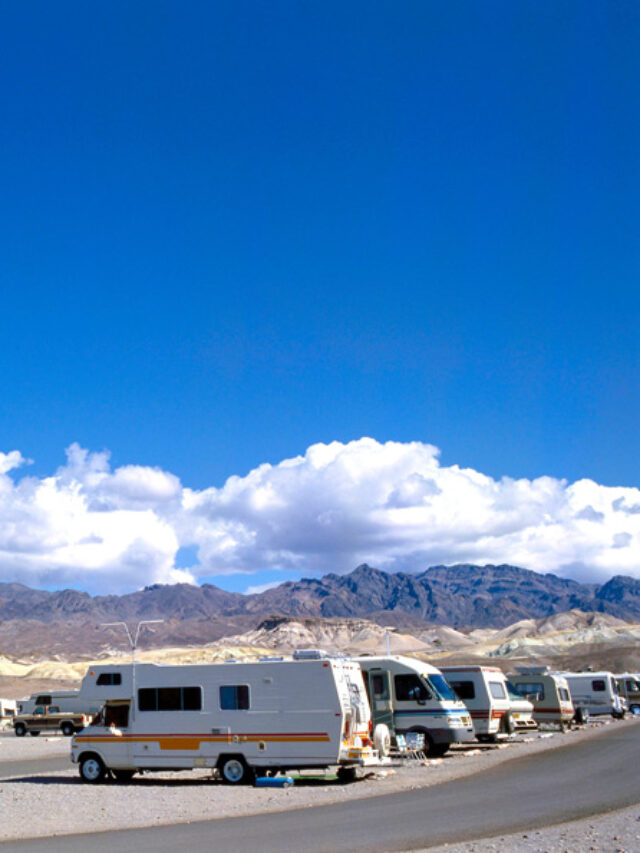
48 718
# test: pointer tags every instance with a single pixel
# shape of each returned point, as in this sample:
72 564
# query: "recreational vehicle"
521 708
549 693
237 718
8 708
596 692
66 700
628 685
483 689
410 696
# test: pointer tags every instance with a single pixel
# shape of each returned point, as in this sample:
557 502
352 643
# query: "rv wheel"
382 740
581 716
234 770
347 774
508 723
635 709
21 730
92 769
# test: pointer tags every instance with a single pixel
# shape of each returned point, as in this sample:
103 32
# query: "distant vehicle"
483 689
66 700
410 696
628 685
48 718
596 692
242 719
549 693
521 708
8 708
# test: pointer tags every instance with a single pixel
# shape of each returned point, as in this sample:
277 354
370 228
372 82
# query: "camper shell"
549 693
240 719
67 701
628 684
410 696
484 691
596 693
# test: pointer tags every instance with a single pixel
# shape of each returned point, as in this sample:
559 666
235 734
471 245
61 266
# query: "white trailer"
484 691
68 701
410 696
596 693
628 684
549 692
237 718
8 709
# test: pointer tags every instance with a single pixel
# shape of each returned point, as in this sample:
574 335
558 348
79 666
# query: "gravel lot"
58 803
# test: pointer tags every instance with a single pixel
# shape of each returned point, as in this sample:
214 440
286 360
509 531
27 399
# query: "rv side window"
45 699
234 697
497 690
464 689
409 688
378 685
564 694
170 699
109 678
598 685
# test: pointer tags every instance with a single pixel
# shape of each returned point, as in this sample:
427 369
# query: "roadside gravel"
46 804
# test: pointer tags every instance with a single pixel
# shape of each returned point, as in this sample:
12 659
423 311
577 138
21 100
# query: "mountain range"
461 596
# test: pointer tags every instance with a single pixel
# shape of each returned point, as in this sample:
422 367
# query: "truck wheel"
234 770
67 729
20 729
508 724
92 769
34 734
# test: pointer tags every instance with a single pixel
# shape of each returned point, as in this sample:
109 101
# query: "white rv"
628 684
238 718
8 708
549 693
521 708
596 692
68 701
483 689
410 696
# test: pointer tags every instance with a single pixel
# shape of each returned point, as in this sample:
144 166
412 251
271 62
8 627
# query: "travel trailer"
410 696
549 693
67 701
483 689
596 693
241 719
628 685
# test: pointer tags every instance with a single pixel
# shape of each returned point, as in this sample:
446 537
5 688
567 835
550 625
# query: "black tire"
347 775
67 729
92 769
20 729
34 734
581 716
123 775
507 724
234 771
635 708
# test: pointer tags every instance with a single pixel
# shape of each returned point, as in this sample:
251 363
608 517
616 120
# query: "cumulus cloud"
392 505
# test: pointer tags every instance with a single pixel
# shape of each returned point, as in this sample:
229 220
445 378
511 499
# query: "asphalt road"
31 766
586 778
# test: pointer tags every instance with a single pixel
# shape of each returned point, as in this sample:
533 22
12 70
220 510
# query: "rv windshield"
513 692
440 687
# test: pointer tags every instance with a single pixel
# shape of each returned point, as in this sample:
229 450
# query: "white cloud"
392 505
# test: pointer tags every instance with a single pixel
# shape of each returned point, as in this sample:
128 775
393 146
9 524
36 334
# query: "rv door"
379 689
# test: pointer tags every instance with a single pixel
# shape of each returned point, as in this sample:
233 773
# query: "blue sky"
231 231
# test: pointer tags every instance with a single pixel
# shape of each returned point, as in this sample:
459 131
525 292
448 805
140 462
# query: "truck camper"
549 693
628 685
483 689
70 701
410 696
240 719
596 693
